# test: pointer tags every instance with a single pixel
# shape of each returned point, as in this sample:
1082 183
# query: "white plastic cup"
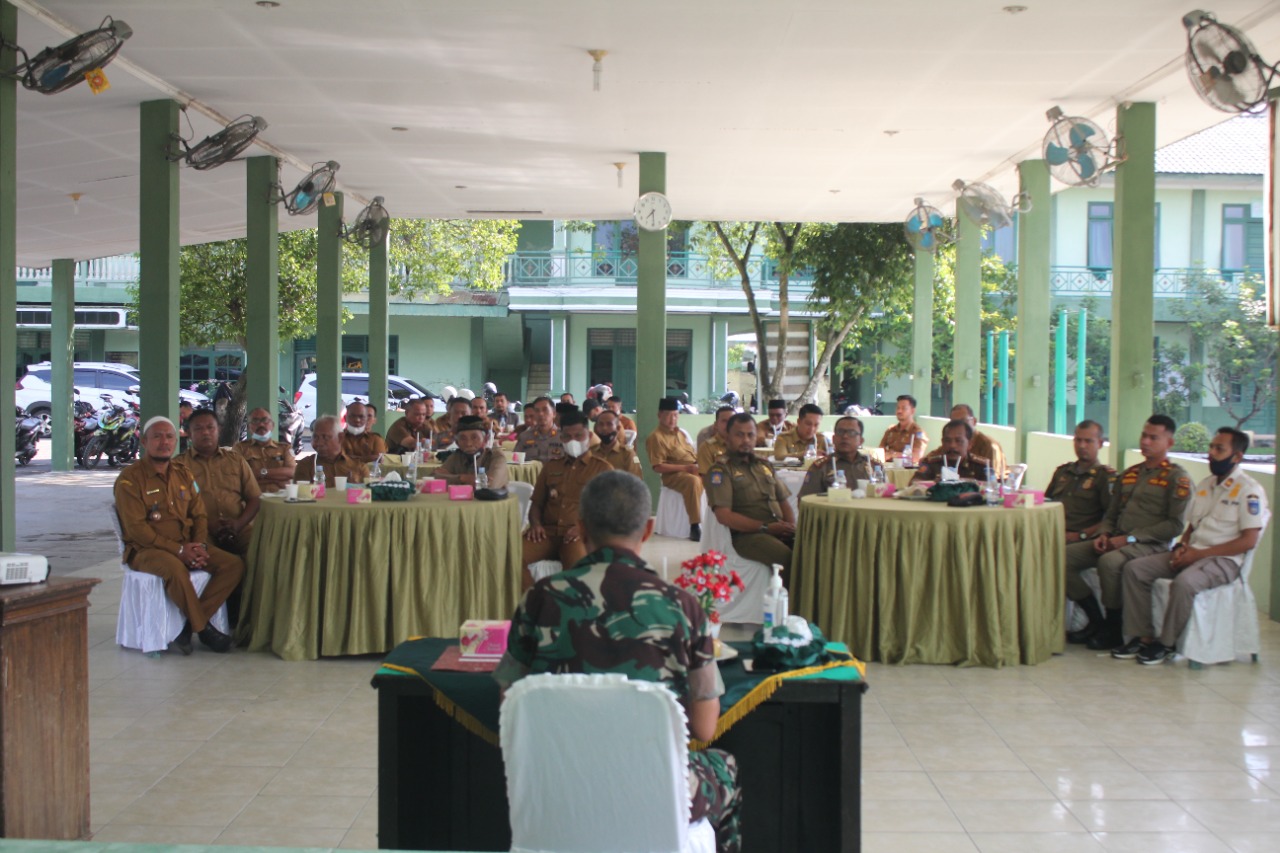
865 486
340 483
291 491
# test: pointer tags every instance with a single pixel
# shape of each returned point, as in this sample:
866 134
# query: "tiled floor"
1082 753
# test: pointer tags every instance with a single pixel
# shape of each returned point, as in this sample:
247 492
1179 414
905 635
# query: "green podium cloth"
332 578
471 698
920 582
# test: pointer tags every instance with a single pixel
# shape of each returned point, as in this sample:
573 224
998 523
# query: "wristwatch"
1083 536
1131 539
764 527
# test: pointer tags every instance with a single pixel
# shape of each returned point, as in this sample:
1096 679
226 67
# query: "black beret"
667 404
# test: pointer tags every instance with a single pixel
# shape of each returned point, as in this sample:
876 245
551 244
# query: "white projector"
23 568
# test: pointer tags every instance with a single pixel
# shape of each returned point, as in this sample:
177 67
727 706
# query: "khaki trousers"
226 570
690 488
1140 576
554 547
763 548
1081 557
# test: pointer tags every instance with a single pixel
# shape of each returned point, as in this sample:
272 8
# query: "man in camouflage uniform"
795 443
540 440
460 468
982 445
642 627
774 425
954 453
671 454
750 501
849 458
717 443
359 441
272 463
906 433
612 448
1145 513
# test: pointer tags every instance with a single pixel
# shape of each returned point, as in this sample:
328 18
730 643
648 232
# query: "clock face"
653 212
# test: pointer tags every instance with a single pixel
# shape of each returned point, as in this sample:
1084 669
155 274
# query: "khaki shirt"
670 447
442 435
746 486
619 456
708 451
791 446
226 482
159 510
1221 512
625 422
559 488
540 446
1148 503
987 447
970 468
820 477
495 424
764 430
1084 495
365 446
897 437
459 464
401 432
341 465
265 455
704 435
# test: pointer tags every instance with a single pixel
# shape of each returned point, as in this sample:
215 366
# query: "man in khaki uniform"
614 404
329 453
457 409
460 468
671 454
774 425
750 501
503 420
272 463
1083 487
553 531
848 456
1145 513
795 443
906 433
227 486
404 433
982 445
612 448
718 443
955 453
166 533
357 441
540 441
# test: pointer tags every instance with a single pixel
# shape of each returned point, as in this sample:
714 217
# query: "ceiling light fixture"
598 55
1014 10
399 129
75 202
891 133
619 167
266 4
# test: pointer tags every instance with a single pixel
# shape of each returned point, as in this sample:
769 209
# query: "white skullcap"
158 419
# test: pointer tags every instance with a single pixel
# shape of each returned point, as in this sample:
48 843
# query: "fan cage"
57 69
1224 67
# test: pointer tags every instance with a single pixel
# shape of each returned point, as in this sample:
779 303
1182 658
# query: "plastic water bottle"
482 478
842 482
908 457
319 473
413 467
375 473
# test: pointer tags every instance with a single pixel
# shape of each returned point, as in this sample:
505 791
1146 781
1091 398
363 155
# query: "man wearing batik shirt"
644 627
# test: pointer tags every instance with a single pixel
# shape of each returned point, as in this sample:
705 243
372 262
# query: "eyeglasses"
259 420
847 433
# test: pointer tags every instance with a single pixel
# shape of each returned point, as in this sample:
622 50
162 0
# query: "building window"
1242 239
1101 223
1001 242
355 354
1235 393
611 358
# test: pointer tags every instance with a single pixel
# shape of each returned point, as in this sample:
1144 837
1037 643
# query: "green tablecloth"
332 578
921 582
525 472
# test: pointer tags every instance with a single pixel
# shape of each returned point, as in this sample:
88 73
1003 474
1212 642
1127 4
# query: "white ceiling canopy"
767 109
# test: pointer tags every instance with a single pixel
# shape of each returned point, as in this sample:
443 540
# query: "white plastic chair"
1224 620
672 520
1017 472
545 569
524 494
148 620
747 605
564 740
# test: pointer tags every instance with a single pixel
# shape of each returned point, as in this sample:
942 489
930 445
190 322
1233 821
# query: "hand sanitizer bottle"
317 490
413 467
771 602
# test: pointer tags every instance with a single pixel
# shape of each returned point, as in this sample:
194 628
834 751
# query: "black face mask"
1221 467
608 437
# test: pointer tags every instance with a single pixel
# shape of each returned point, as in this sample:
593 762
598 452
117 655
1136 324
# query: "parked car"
90 378
355 386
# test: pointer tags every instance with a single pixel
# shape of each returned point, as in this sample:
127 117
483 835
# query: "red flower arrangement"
702 576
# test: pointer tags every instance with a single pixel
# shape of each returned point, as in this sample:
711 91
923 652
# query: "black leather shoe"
695 532
215 639
183 640
1079 638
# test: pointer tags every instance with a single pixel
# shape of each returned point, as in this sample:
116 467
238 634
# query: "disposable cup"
291 491
340 483
865 485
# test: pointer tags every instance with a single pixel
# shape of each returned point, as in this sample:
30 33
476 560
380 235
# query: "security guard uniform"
226 486
367 445
263 456
970 467
341 465
540 446
672 447
791 445
708 451
556 495
1084 495
898 438
619 456
764 430
747 486
160 514
459 464
820 476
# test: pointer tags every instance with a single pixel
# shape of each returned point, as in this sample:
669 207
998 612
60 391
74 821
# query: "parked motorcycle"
116 438
845 406
27 434
84 427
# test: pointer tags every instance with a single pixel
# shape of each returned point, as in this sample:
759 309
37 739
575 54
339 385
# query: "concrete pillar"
158 249
62 339
262 271
8 264
719 357
329 308
1031 392
1132 300
651 315
98 345
967 349
560 356
379 331
922 335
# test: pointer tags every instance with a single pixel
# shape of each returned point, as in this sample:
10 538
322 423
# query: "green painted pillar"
1031 396
651 316
262 229
329 308
379 330
989 413
1132 301
720 357
1002 397
560 356
922 335
1082 365
62 339
8 265
158 277
967 349
1060 374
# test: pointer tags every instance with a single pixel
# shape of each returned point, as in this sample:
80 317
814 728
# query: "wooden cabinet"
44 709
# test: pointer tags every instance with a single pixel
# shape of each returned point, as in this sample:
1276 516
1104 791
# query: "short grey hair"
614 505
330 421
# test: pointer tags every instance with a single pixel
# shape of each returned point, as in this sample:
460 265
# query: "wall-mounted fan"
56 69
986 207
307 194
221 147
1224 68
1077 150
371 225
924 227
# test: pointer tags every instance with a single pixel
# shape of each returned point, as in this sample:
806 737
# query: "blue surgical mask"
266 436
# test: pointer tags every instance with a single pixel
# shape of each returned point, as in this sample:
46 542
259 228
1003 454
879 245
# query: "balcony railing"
116 271
560 267
1170 282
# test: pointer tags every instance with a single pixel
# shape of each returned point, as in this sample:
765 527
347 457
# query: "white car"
92 379
355 386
